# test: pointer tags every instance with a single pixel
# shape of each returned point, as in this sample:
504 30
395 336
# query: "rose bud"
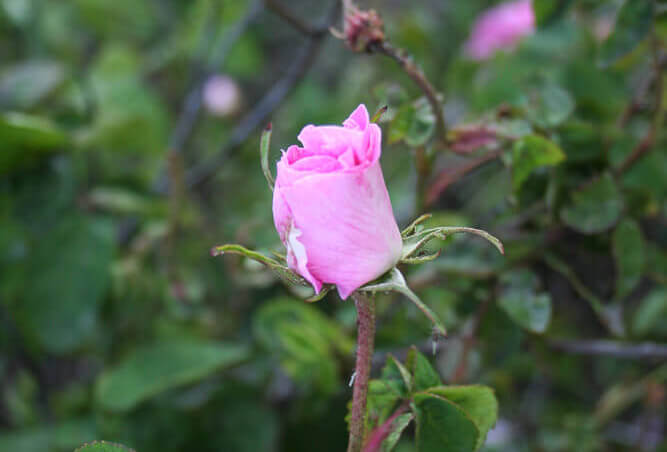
331 207
500 28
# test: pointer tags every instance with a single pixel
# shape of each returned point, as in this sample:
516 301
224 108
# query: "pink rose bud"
222 96
500 28
331 206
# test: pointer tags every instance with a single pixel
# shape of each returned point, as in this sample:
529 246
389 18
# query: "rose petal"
359 118
347 226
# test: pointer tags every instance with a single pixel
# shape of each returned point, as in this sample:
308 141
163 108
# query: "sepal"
394 281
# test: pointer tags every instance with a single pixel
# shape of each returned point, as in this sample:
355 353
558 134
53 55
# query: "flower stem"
365 338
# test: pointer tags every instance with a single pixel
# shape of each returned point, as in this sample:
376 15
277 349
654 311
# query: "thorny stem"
416 74
365 338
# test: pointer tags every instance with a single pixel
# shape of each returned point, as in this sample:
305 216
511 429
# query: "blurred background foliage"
116 323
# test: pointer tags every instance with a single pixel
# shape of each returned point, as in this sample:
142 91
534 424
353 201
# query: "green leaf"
628 246
531 152
522 303
595 208
25 84
397 377
549 106
424 375
383 396
400 125
303 340
25 137
394 281
442 426
69 271
547 11
264 148
103 446
479 402
399 425
413 123
633 24
151 369
649 318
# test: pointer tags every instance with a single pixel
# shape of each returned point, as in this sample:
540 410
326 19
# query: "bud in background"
361 29
222 96
500 28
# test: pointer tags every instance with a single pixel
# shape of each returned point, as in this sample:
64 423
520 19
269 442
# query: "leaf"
103 446
633 24
595 208
303 340
519 299
413 123
628 246
25 84
400 424
549 106
264 148
649 318
479 402
442 426
531 152
24 137
151 369
69 271
424 375
397 377
394 281
547 11
383 396
399 126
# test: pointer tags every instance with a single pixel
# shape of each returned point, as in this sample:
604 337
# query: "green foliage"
116 323
531 152
152 369
448 418
303 340
71 274
103 446
629 255
633 24
479 402
443 426
594 208
521 301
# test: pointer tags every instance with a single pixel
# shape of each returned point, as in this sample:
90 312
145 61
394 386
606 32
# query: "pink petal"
297 258
359 118
347 226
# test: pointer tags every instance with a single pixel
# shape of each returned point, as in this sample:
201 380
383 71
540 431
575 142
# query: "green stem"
365 338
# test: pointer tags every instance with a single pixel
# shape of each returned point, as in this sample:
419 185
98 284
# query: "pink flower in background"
331 206
500 27
222 96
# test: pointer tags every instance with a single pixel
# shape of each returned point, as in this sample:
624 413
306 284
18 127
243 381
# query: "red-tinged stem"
365 338
380 434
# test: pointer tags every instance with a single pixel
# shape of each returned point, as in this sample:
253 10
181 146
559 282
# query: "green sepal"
395 281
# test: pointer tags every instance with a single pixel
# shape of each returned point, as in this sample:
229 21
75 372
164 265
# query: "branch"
193 101
412 70
294 20
611 348
264 108
651 138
